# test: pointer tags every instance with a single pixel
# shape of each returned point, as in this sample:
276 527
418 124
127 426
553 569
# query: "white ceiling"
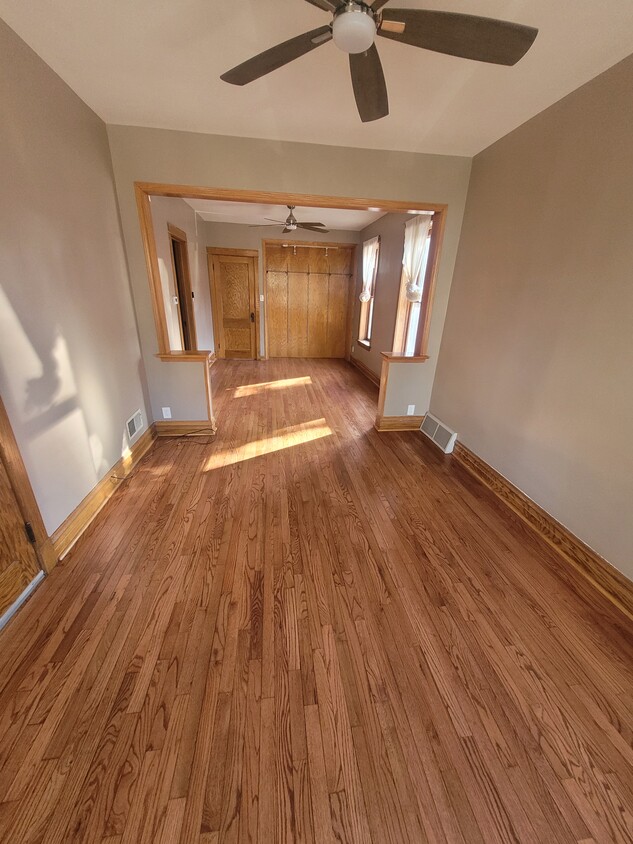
157 63
252 214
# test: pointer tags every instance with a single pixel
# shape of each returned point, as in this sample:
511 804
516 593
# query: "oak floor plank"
303 630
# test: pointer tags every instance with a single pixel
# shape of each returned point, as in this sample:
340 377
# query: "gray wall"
390 229
536 364
235 236
70 363
409 383
166 210
211 160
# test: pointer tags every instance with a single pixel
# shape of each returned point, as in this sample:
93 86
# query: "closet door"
308 295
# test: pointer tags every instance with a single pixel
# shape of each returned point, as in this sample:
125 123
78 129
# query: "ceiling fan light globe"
354 30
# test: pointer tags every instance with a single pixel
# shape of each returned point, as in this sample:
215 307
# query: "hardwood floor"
304 630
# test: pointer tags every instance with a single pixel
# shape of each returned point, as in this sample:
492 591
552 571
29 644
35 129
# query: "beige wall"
70 363
390 229
212 160
236 236
536 365
171 210
409 383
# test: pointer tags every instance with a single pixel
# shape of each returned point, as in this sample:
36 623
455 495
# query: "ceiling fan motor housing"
354 28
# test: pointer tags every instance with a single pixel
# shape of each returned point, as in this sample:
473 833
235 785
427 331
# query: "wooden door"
308 300
233 276
18 561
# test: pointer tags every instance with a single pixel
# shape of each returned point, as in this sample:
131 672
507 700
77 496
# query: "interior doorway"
184 294
233 275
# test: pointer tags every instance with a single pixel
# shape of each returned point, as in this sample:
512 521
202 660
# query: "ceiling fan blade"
326 5
285 231
378 4
265 225
277 56
370 89
310 223
467 36
312 228
279 222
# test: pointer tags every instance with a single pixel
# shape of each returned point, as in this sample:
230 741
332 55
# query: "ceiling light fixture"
354 28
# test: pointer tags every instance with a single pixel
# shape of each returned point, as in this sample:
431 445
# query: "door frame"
215 295
180 237
23 491
353 247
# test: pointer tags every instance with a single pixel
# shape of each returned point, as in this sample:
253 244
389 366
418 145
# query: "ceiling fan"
291 223
354 28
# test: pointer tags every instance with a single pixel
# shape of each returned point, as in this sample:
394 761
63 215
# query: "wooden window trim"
143 191
426 306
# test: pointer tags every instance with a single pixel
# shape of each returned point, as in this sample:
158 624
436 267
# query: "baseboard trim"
364 370
76 523
398 423
598 571
175 428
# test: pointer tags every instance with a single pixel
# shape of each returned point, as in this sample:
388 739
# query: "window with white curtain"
371 255
417 242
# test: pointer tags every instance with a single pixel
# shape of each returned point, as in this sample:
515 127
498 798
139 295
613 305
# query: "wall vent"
442 436
134 425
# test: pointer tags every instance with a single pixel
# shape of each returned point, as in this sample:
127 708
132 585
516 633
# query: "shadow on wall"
38 386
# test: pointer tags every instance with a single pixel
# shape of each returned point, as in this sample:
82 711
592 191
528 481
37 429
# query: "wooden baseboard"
76 523
365 371
176 428
600 573
398 423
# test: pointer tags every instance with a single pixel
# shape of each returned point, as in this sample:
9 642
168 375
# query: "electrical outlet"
261 297
411 410
167 413
353 347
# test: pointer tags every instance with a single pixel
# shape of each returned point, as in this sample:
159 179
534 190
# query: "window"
408 339
371 254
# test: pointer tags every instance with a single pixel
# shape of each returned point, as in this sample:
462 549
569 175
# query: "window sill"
393 357
364 344
186 356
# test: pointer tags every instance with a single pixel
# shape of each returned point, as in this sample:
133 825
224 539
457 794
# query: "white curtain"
416 232
371 249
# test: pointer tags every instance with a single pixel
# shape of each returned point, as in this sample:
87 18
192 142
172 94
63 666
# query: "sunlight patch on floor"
281 384
284 438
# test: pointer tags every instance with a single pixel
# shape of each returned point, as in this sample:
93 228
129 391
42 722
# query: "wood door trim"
181 237
238 253
216 305
23 491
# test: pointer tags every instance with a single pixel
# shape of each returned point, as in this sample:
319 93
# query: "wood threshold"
598 571
78 521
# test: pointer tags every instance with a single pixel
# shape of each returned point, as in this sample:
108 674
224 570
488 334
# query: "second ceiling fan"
354 28
291 223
